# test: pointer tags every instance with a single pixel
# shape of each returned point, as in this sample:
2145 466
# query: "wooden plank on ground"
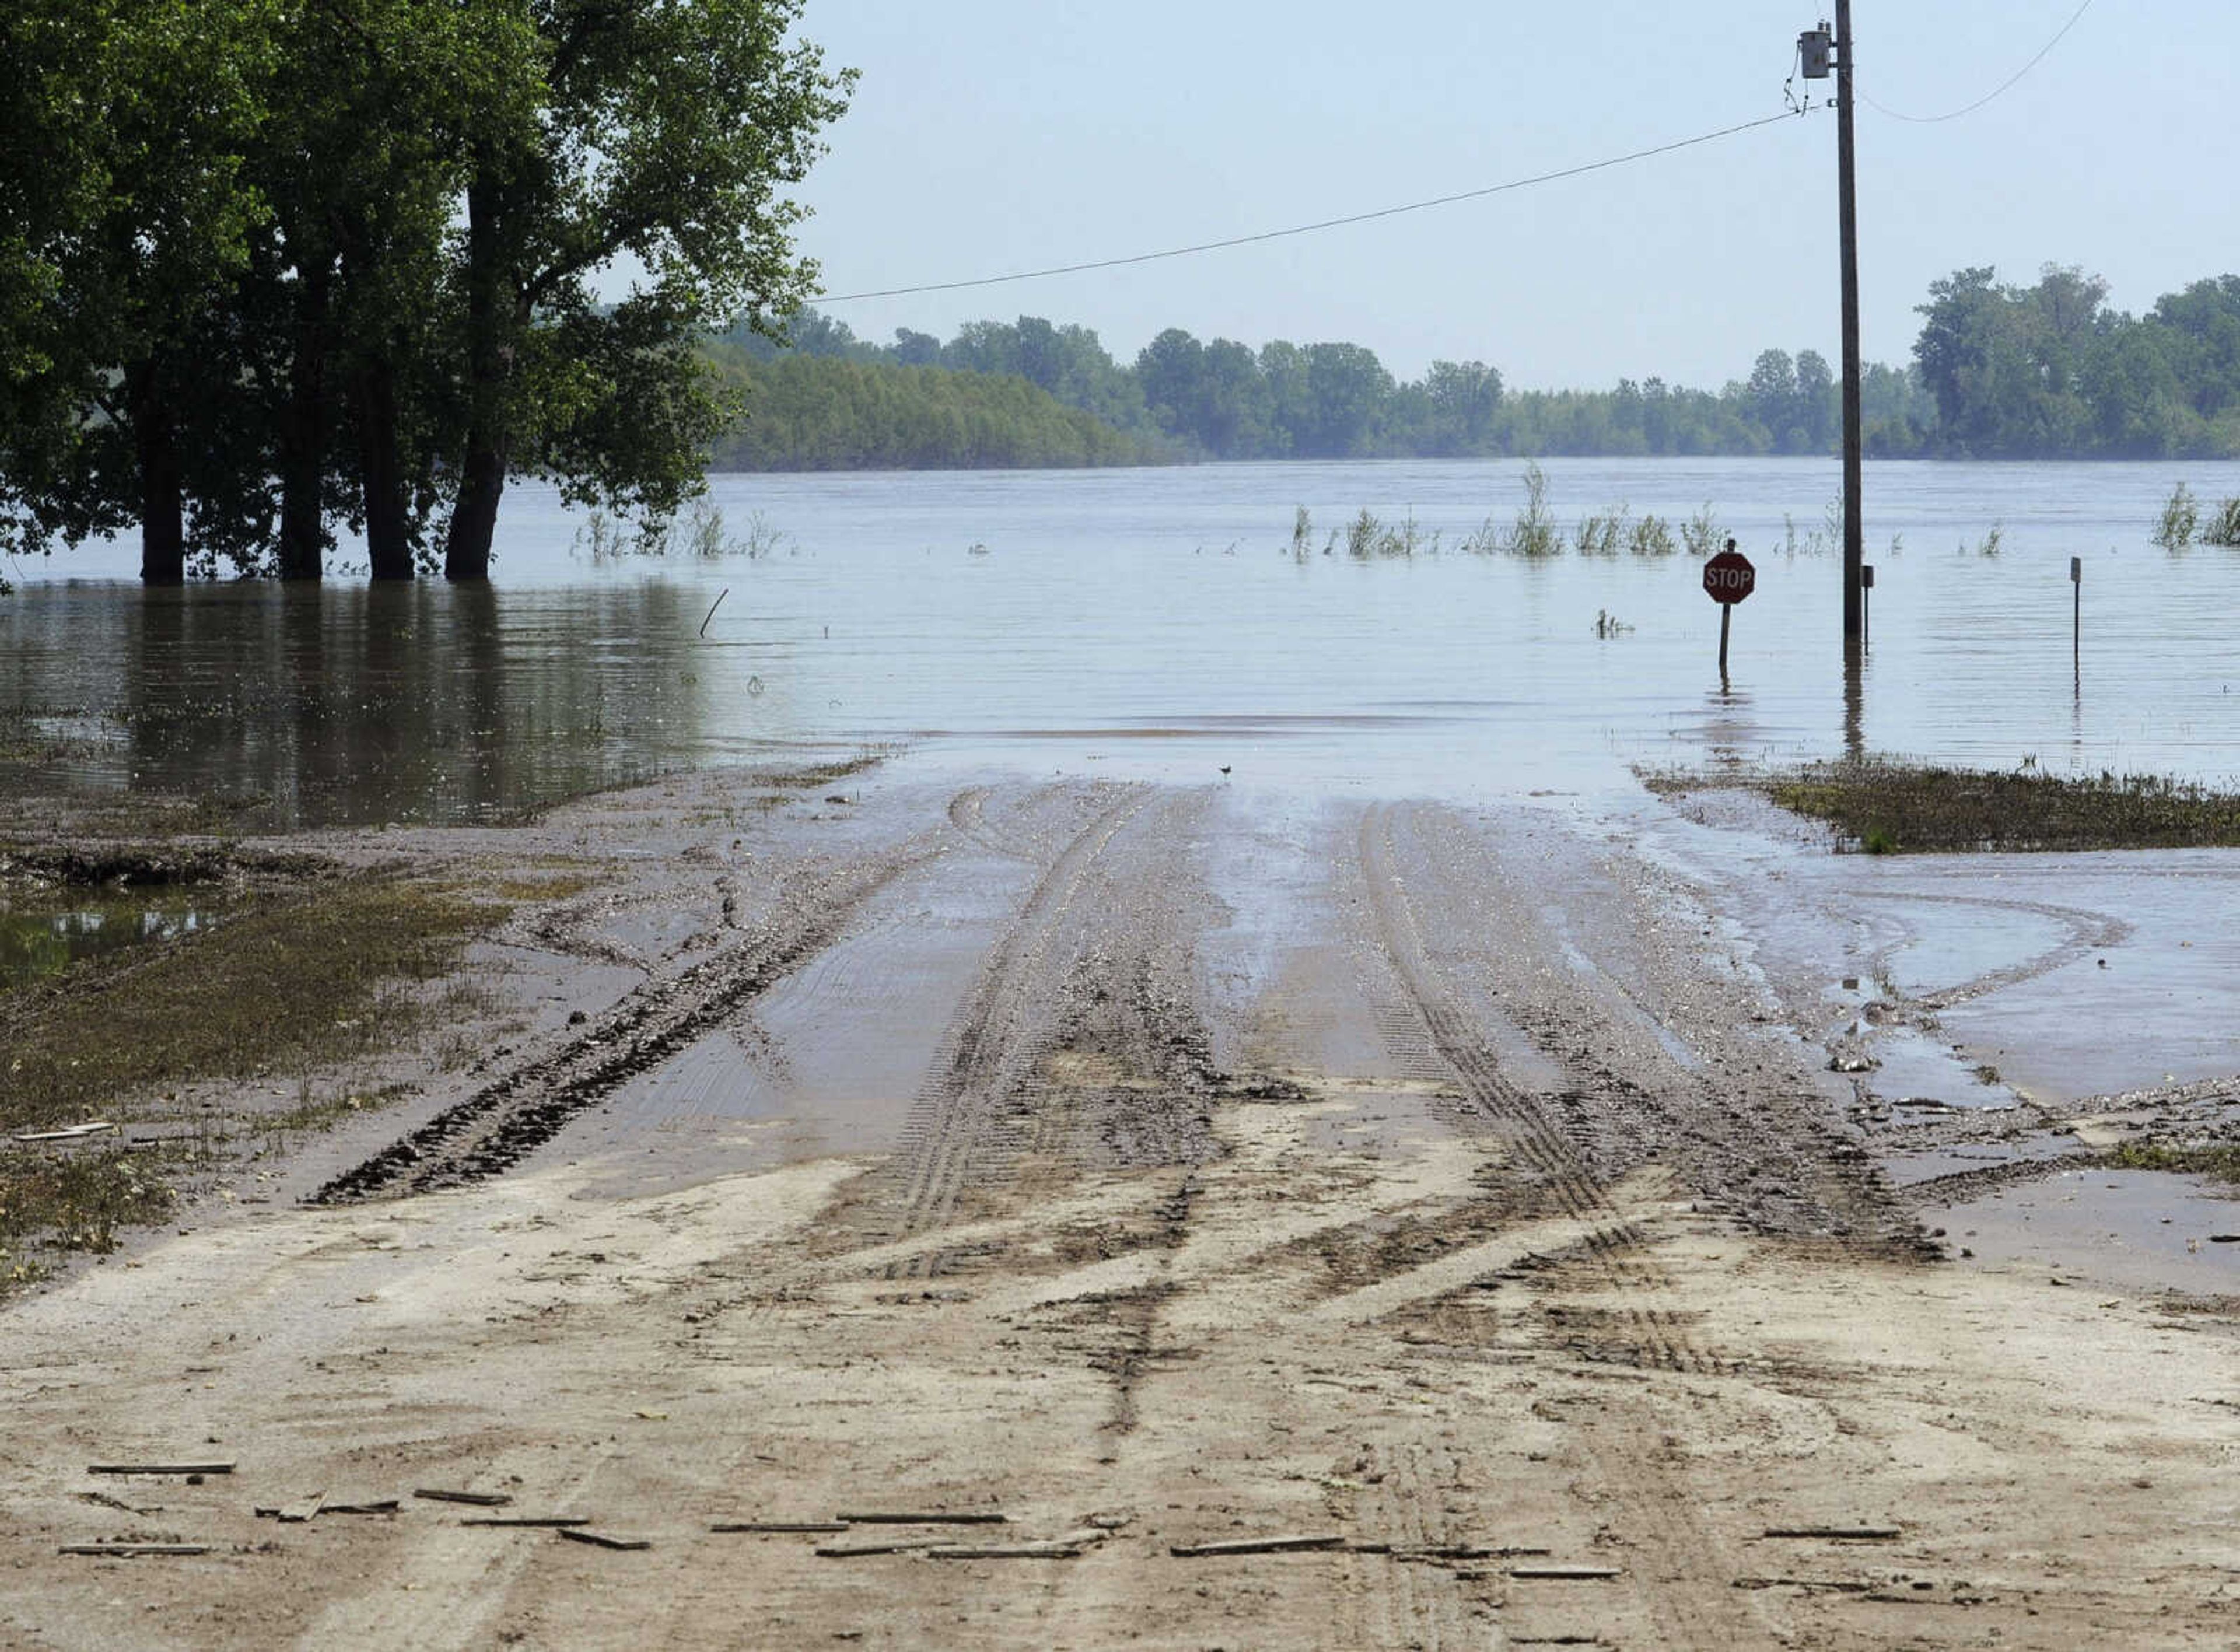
603 1540
1258 1546
479 1499
128 1549
921 1517
778 1527
159 1467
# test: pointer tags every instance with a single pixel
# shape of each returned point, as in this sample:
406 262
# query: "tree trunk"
303 433
381 473
490 359
163 526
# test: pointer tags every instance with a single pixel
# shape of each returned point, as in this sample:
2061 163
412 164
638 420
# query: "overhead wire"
1319 225
1969 109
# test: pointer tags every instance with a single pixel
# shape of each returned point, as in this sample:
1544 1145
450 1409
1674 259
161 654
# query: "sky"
992 135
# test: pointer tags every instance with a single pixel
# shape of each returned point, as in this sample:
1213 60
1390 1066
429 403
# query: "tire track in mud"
1082 1043
501 1123
1532 1138
1658 1336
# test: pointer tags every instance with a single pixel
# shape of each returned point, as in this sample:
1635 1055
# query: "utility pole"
1816 50
1855 527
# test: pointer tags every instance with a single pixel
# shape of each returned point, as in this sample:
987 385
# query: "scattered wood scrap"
779 1527
159 1467
68 1133
554 1520
1826 1585
387 1506
1257 1546
1566 1573
603 1540
129 1549
303 1509
479 1499
925 1517
1056 1549
1839 1534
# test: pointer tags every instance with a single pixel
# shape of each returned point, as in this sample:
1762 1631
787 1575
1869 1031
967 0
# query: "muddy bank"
1504 1209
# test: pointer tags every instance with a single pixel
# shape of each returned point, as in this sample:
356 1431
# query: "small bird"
1225 768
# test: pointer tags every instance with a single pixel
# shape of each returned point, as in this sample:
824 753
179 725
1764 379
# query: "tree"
664 133
123 217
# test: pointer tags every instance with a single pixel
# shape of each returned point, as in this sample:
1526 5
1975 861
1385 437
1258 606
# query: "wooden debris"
1839 1534
159 1467
480 1499
134 1548
1056 1550
1256 1546
1833 1585
527 1520
1566 1573
933 1518
69 1133
890 1545
302 1510
386 1506
774 1527
603 1540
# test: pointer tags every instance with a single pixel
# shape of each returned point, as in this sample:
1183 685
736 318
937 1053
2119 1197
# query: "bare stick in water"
712 607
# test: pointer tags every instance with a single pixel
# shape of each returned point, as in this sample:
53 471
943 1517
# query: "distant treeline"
1999 372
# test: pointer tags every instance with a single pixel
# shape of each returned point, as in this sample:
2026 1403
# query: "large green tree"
665 133
125 219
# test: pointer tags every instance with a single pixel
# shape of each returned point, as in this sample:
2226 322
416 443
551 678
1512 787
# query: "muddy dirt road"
1462 1191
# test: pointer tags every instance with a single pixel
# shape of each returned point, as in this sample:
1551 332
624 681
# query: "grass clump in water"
2180 516
2217 1159
1885 806
2223 527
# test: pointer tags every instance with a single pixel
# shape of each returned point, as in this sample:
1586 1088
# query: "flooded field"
1155 623
1248 1069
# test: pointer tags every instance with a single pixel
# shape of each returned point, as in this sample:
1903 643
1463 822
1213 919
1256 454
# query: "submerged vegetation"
1883 805
305 973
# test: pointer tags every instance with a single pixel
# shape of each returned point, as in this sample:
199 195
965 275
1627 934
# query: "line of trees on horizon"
2047 372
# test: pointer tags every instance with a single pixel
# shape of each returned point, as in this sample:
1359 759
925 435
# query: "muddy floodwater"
1230 1083
1155 623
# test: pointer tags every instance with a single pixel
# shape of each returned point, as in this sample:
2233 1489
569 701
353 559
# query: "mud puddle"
2140 1230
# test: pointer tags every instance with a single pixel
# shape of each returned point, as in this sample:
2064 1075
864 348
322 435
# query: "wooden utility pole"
1855 530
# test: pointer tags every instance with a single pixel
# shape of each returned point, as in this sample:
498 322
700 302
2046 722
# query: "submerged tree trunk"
492 314
381 473
303 434
162 494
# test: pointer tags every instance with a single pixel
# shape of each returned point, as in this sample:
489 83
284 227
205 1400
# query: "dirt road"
1463 1191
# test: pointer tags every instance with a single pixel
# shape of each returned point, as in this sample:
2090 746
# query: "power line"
1311 229
1932 120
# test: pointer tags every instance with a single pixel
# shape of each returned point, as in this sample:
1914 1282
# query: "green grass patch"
293 981
74 1199
2220 1159
1885 806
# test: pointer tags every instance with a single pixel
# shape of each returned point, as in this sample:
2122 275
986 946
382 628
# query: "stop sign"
1729 576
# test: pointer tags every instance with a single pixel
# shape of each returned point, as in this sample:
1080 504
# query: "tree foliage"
268 268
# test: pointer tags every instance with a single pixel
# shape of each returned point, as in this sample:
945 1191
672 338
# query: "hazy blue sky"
994 134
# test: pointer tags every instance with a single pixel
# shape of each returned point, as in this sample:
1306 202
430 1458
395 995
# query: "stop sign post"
1728 578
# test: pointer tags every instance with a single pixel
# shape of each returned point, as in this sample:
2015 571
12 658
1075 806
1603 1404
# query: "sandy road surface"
1463 1187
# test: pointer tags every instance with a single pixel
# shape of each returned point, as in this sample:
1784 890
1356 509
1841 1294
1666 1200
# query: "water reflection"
38 942
309 706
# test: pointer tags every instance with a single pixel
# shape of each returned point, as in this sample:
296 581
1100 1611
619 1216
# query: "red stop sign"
1729 576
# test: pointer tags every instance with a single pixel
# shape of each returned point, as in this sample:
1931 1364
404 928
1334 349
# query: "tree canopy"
268 269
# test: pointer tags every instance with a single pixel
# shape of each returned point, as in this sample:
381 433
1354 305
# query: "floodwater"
44 938
1154 622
